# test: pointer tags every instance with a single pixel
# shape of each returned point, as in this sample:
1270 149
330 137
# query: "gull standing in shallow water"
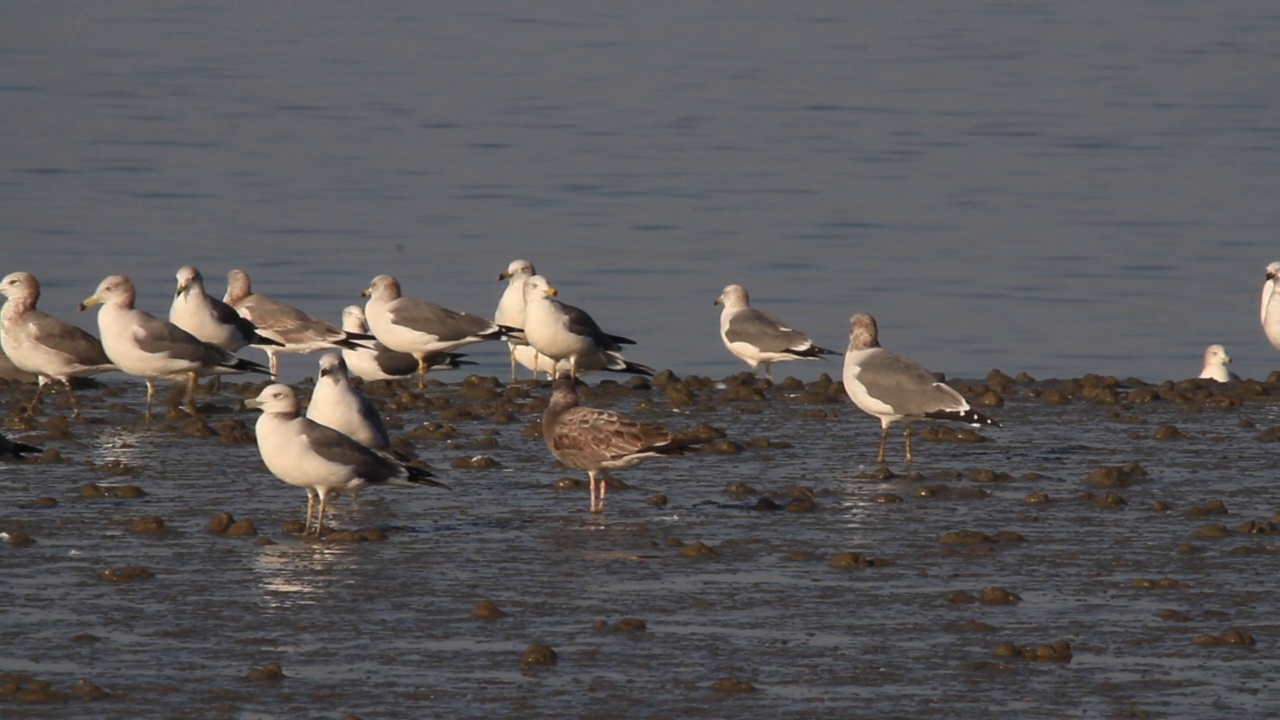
379 362
209 318
336 404
1215 365
511 312
599 441
566 333
288 326
43 345
421 328
141 344
758 339
321 460
891 387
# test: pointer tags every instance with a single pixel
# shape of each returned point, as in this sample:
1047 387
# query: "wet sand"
1111 552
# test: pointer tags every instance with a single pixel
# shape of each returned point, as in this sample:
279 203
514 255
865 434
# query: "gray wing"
396 363
227 315
290 323
370 415
67 339
159 337
443 323
581 323
759 330
906 386
342 450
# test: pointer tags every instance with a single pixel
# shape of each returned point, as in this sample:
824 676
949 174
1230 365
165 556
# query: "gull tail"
447 361
505 332
20 449
813 352
419 476
967 416
262 341
242 365
617 363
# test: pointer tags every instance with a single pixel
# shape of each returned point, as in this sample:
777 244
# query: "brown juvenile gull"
563 332
322 460
759 339
599 441
892 387
379 362
14 449
42 344
288 326
421 328
511 312
1215 365
144 345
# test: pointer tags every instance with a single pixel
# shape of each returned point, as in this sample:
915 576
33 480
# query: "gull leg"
513 365
324 497
422 372
311 501
31 409
75 406
591 482
151 393
191 393
273 364
907 434
884 438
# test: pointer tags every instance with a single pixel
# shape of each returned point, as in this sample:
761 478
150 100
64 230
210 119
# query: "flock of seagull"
340 444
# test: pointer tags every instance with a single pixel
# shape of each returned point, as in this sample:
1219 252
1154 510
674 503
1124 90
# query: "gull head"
237 287
863 333
275 398
384 288
1273 270
113 290
331 364
18 285
517 269
537 286
733 297
353 319
188 277
1216 355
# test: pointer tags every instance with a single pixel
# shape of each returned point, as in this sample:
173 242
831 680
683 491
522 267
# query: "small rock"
537 654
486 610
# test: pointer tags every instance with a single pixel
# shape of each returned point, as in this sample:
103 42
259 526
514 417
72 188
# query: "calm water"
1039 187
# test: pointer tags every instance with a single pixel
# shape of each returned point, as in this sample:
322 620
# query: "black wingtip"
418 476
21 450
261 341
250 366
813 352
969 417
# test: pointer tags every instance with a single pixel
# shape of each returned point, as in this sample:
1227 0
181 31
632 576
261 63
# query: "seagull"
1271 305
285 324
322 460
1215 365
42 344
599 441
758 339
420 328
336 404
209 318
141 344
561 331
380 362
511 312
9 371
892 387
14 449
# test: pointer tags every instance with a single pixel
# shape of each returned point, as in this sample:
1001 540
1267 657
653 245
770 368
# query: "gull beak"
504 275
1226 358
553 292
253 403
719 301
89 302
182 289
368 292
325 372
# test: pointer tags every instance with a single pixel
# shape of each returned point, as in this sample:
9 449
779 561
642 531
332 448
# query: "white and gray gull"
760 339
319 459
892 388
379 362
43 345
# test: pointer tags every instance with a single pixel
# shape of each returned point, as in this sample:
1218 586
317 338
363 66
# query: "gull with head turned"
759 339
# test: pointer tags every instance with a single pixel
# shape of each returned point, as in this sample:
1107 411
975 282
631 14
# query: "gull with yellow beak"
142 344
566 333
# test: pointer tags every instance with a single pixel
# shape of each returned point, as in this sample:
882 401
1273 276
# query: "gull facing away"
144 345
891 387
511 312
600 441
1271 305
1215 365
209 318
379 362
336 404
288 326
563 332
306 454
42 344
17 450
759 339
421 328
